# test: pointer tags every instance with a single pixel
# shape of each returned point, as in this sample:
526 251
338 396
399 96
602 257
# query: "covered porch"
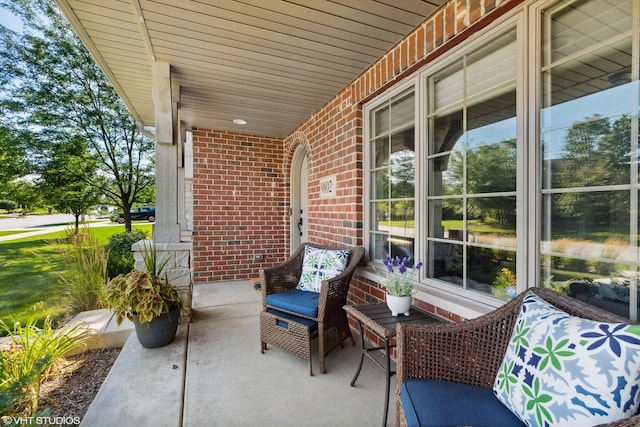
214 374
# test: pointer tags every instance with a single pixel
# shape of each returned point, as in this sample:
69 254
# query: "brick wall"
242 205
239 209
334 133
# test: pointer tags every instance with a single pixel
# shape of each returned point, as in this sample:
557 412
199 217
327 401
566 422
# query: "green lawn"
29 272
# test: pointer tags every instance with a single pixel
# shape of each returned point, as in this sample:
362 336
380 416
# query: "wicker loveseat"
468 356
291 317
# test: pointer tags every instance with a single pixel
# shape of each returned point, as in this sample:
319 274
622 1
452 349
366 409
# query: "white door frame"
299 197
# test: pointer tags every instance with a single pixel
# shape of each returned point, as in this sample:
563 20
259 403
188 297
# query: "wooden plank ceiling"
270 62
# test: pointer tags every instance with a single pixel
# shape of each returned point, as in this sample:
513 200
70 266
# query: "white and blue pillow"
561 370
321 264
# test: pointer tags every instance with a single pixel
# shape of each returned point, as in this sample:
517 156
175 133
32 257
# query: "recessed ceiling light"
240 121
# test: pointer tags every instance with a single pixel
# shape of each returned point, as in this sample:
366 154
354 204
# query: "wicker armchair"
470 352
293 331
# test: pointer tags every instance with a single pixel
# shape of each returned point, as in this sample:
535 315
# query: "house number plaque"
328 186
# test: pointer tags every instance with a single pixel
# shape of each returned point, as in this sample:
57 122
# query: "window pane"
492 221
589 153
379 246
392 179
448 87
380 122
446 262
589 226
579 25
491 156
586 217
402 110
402 173
402 218
381 217
473 151
446 131
446 218
380 184
380 152
490 271
496 56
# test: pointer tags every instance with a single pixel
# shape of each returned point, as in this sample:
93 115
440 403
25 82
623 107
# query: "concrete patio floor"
213 374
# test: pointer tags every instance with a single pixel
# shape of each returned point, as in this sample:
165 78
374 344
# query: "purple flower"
400 266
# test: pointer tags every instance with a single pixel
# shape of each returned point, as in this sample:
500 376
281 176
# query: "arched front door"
299 198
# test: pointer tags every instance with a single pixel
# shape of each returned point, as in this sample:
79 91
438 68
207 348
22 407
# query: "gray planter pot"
160 331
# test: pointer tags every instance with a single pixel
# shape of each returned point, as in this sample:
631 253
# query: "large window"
588 146
471 177
525 169
392 177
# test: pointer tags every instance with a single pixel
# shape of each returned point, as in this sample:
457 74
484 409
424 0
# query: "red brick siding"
241 208
334 133
238 204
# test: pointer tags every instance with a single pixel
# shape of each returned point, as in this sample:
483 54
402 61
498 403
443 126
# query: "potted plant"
399 284
148 300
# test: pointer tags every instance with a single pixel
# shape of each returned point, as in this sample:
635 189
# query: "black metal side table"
378 319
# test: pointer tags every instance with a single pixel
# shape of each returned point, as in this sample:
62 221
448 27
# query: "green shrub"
27 360
85 277
8 205
119 255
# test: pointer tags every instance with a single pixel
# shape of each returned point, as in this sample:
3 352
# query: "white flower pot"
398 305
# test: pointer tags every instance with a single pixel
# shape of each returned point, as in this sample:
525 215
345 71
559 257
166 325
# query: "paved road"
42 224
35 221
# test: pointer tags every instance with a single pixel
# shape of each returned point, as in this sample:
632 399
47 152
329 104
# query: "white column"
170 196
167 228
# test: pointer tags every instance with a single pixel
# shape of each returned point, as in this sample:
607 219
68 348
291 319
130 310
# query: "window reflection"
393 179
589 226
472 164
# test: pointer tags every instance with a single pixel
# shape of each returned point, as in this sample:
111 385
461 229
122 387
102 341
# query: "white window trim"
465 303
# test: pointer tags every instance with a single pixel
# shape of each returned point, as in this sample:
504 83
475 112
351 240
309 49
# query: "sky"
9 20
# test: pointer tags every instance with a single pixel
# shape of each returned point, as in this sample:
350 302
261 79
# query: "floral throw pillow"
321 264
561 370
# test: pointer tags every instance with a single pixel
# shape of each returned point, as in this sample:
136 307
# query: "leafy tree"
25 193
13 155
52 86
69 180
596 153
485 168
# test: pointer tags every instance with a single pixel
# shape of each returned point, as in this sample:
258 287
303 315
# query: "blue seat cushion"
436 403
313 326
296 301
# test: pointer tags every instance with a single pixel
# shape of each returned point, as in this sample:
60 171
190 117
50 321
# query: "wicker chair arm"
468 352
334 291
282 277
471 351
628 422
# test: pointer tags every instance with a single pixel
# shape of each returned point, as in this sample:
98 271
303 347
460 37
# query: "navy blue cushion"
296 301
313 326
435 403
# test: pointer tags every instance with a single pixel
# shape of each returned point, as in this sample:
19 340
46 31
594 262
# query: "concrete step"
144 387
102 326
105 332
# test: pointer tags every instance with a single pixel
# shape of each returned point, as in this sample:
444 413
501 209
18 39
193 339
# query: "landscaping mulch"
69 392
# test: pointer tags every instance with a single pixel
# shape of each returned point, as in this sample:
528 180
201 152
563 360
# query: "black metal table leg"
388 374
363 351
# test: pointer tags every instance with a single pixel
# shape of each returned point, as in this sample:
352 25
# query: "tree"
13 155
69 181
24 192
596 153
52 86
485 168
